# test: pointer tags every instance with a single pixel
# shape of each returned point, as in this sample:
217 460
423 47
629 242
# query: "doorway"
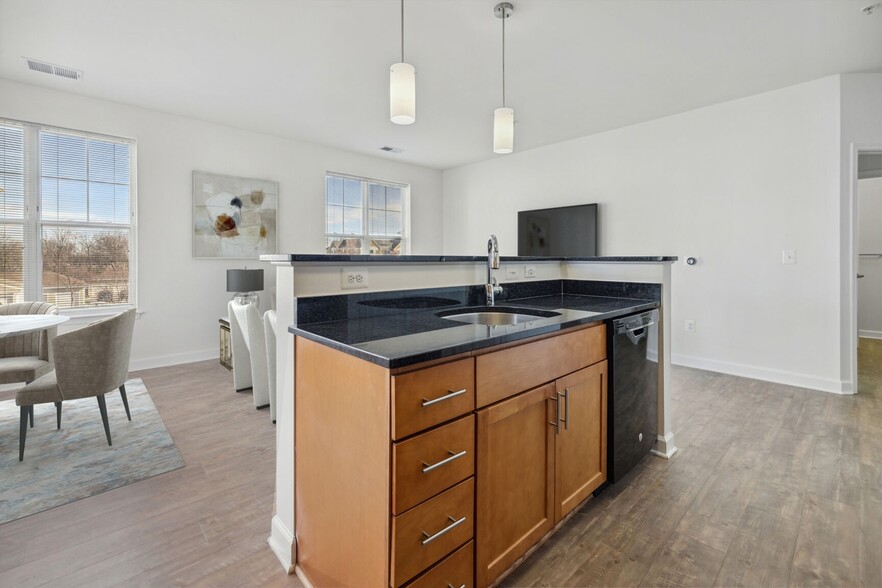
868 242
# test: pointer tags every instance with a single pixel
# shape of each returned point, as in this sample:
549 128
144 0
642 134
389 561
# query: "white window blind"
75 227
365 216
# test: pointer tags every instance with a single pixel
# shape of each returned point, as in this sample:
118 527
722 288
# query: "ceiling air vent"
389 149
56 70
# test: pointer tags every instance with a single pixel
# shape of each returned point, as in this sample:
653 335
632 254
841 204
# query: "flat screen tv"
568 231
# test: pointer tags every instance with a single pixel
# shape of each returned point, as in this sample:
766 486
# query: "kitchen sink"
495 316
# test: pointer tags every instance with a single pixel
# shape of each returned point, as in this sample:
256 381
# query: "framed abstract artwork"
233 217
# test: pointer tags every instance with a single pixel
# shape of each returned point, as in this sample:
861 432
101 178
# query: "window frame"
365 236
33 223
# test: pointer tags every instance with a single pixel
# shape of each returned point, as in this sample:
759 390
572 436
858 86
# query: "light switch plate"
511 273
788 256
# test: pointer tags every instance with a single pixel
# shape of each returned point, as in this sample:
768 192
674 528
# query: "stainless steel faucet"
492 287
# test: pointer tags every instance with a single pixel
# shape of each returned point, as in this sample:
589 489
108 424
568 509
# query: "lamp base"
247 298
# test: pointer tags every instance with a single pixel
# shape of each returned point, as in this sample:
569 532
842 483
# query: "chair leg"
31 414
58 414
23 431
103 407
122 392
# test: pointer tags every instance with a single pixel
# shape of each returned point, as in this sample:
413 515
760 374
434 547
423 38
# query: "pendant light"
402 87
503 118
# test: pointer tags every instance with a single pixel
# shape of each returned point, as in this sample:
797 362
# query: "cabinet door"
515 497
580 446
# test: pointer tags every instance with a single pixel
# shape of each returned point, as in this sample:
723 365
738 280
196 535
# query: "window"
365 216
66 217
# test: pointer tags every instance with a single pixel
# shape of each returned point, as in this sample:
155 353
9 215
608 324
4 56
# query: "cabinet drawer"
427 533
432 462
501 374
454 570
431 396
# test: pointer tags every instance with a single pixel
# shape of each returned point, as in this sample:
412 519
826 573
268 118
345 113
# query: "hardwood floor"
204 524
772 485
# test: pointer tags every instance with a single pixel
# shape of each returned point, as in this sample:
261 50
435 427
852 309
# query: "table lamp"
245 283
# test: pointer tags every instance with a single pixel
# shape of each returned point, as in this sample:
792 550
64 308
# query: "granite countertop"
400 339
325 258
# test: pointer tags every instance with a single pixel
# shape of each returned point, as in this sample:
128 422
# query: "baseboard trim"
765 374
148 363
281 541
870 334
664 446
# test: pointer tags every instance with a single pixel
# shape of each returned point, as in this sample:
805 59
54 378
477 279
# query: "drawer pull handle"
428 468
429 538
452 394
449 585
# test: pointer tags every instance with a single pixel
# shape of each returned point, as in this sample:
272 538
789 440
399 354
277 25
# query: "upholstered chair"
89 361
269 327
24 358
249 351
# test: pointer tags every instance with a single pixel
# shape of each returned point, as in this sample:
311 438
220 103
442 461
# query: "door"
515 452
580 446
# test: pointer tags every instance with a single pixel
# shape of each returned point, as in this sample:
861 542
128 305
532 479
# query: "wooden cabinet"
399 480
515 479
580 445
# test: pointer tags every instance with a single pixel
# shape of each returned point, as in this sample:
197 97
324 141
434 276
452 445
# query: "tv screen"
568 231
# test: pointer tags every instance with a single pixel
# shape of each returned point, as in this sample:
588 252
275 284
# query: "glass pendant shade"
503 130
402 93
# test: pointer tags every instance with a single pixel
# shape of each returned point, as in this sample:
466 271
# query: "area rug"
75 462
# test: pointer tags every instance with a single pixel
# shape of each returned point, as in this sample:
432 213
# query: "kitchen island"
390 333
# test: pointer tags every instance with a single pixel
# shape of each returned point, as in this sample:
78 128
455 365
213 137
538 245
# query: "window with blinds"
364 217
66 217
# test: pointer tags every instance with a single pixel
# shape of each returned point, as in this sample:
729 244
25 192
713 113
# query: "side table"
226 349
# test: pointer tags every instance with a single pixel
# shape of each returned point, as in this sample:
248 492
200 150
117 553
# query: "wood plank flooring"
204 524
772 486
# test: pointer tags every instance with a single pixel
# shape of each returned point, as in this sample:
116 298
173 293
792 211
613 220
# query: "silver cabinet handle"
449 585
566 396
452 394
428 468
556 423
451 526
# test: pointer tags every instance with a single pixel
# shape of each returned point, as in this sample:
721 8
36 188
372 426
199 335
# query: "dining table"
20 324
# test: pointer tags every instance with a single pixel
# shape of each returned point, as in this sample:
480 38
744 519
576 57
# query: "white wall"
182 298
733 184
870 241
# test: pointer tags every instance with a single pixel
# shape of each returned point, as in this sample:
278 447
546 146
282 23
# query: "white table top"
19 324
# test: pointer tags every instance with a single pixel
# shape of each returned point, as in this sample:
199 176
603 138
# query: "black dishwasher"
633 393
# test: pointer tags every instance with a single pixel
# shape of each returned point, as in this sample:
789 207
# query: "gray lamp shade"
244 280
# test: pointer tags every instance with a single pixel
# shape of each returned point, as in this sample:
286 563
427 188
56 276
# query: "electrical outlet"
529 271
689 325
788 256
511 273
353 277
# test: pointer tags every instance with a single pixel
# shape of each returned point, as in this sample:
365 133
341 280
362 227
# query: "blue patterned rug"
75 462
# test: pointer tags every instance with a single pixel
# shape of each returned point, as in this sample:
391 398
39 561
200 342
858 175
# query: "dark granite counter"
395 259
403 328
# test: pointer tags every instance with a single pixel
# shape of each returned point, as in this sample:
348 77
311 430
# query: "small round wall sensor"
691 261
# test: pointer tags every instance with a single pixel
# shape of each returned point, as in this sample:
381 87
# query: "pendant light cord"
402 31
503 57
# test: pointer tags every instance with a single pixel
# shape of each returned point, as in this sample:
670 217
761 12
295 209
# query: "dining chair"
249 351
89 361
24 358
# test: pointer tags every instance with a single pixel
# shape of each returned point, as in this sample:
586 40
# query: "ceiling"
317 70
